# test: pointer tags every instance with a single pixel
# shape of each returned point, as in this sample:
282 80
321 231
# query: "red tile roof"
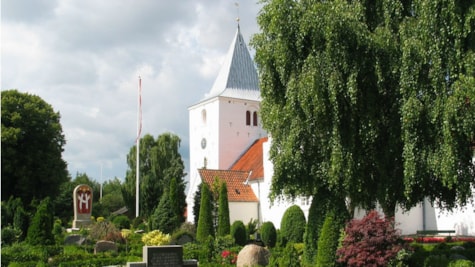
238 191
252 160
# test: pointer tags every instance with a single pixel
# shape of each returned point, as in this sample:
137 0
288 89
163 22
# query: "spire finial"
237 8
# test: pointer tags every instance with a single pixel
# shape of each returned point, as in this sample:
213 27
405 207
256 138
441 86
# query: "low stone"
74 240
103 246
457 257
253 255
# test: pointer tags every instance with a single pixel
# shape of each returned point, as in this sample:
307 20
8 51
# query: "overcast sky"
84 57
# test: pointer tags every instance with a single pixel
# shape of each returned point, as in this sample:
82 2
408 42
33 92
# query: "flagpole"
137 144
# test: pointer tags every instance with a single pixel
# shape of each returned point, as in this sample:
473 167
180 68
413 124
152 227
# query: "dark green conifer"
40 231
205 222
223 211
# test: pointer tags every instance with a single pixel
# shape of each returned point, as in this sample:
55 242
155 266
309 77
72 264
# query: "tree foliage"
371 100
32 144
159 162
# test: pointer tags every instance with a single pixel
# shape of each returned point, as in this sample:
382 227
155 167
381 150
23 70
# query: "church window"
248 117
254 118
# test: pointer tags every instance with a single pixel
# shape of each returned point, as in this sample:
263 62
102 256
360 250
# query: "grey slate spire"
238 76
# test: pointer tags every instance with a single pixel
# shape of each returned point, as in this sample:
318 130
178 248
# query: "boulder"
253 255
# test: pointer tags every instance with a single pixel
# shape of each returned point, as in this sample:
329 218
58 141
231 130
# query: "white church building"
227 141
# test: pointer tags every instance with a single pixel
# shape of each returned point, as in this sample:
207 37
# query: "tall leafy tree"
159 162
361 102
32 146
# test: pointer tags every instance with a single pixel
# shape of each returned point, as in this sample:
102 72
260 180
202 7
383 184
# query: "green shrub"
156 238
328 241
238 232
207 250
10 235
436 261
40 231
461 263
290 256
181 232
23 253
21 221
268 234
251 227
103 230
401 259
121 222
223 243
191 251
292 226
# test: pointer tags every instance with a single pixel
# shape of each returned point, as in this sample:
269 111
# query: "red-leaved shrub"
371 241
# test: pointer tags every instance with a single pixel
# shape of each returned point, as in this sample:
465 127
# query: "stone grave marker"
163 256
82 196
74 240
103 246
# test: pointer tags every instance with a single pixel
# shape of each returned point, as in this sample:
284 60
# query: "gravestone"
136 264
103 246
74 240
163 256
82 197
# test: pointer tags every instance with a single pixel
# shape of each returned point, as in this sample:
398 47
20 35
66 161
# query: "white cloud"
84 58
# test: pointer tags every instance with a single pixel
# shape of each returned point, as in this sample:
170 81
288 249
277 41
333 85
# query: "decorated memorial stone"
82 197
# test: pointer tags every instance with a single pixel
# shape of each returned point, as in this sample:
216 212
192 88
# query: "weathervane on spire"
237 8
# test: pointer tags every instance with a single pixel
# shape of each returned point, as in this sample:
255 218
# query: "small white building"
227 141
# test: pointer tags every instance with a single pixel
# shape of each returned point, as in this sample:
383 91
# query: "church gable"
238 190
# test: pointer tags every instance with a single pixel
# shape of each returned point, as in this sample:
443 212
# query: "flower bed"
438 239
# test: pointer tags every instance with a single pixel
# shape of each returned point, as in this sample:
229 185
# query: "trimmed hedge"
269 234
238 232
292 226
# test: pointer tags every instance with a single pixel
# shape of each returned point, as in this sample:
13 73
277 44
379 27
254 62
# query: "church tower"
226 122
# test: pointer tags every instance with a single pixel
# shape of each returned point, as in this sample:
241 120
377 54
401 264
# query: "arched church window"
254 118
248 117
203 116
